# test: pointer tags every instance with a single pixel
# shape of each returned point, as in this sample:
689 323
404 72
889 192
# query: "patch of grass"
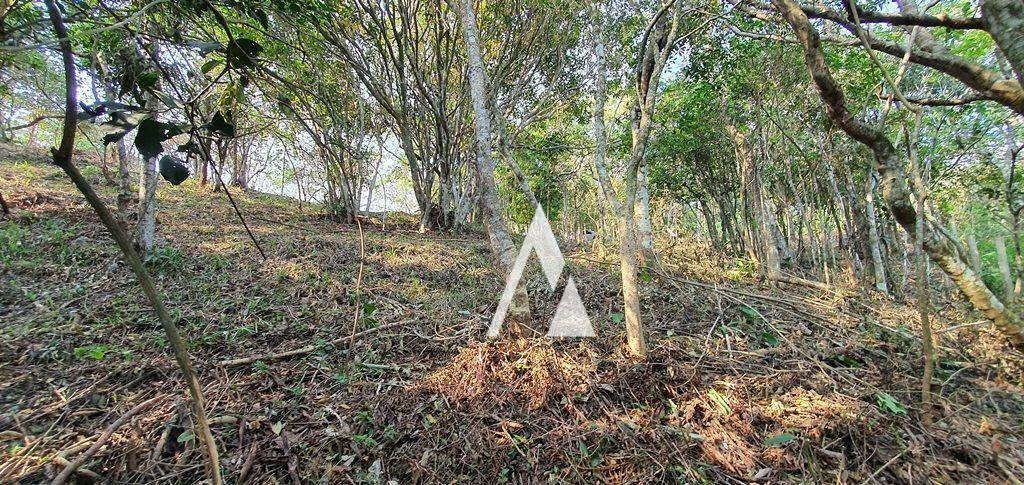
92 173
13 242
165 260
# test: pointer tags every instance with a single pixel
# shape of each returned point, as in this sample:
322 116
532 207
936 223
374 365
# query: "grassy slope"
429 400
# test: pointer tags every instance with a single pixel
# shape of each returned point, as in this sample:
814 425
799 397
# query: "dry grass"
745 382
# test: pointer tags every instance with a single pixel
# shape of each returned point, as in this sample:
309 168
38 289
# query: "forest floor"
745 382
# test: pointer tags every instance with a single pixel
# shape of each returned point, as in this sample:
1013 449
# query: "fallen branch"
71 467
310 348
796 280
85 472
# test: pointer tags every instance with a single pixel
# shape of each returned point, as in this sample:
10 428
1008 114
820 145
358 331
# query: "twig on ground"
311 348
73 466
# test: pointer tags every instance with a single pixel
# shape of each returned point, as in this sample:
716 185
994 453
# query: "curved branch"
986 82
35 121
909 20
968 99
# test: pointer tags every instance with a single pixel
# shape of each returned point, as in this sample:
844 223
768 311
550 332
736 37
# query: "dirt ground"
745 382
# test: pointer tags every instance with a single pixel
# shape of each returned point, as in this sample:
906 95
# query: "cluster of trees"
541 102
629 120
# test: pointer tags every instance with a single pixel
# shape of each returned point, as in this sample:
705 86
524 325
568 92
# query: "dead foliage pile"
745 382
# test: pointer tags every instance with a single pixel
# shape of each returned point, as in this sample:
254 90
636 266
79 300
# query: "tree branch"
919 20
62 158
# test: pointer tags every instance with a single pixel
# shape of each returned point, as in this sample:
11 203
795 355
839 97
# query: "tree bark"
895 190
145 230
490 203
874 242
974 254
1004 20
644 228
1004 268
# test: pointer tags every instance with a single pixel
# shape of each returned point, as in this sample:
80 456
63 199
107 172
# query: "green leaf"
780 439
617 317
888 403
750 314
646 277
770 339
147 80
369 308
720 400
172 170
94 352
210 65
186 436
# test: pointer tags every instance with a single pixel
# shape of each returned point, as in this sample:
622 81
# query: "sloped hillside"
745 382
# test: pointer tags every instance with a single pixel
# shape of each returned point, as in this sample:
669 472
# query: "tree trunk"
145 231
923 303
644 229
874 242
758 219
1004 268
497 231
974 254
1005 22
124 178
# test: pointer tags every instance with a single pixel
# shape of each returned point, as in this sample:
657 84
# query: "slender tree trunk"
62 157
974 254
644 228
1004 268
1013 206
922 276
635 338
124 178
205 170
874 243
758 222
497 231
145 230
